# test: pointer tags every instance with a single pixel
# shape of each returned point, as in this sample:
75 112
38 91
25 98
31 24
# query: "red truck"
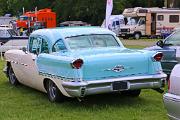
44 18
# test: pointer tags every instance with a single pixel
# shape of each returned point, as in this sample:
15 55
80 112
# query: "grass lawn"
134 46
24 103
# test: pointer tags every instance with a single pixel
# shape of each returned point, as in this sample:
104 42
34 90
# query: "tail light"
77 64
158 56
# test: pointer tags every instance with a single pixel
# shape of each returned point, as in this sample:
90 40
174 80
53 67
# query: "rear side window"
59 46
38 45
44 46
174 18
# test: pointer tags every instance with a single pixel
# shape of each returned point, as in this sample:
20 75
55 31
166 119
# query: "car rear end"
116 70
172 97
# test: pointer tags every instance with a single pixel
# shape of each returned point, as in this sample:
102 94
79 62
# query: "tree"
89 11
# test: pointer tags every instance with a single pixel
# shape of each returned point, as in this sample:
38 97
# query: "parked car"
74 23
7 34
172 97
6 26
13 44
81 61
170 47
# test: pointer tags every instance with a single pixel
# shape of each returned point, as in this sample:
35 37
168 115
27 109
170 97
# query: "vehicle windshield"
12 32
23 18
133 21
174 39
92 41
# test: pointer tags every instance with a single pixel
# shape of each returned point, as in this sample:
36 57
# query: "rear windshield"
92 41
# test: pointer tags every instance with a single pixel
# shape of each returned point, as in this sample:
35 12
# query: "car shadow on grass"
110 99
88 102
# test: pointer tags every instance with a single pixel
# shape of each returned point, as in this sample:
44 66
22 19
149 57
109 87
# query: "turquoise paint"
97 62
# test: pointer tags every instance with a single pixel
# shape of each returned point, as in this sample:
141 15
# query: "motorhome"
150 22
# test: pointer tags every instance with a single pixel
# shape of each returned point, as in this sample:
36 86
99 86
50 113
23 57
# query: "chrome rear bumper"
83 88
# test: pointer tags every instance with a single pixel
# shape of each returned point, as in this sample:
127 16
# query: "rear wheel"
132 93
54 94
137 36
12 77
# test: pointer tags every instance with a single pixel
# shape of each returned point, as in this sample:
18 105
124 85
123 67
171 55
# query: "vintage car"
13 44
172 97
170 47
81 61
7 34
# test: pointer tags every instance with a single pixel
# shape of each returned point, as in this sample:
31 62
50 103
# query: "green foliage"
91 11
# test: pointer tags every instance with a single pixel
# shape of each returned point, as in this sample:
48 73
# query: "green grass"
134 46
24 103
144 39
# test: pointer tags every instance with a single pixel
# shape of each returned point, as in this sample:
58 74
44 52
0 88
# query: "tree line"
91 11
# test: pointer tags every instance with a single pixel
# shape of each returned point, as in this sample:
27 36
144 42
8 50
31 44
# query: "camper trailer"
150 22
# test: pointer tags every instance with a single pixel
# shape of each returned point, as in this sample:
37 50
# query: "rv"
150 22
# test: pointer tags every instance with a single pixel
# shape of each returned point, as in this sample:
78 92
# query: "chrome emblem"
118 68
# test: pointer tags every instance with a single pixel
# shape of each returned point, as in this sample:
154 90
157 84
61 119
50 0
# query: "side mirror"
160 43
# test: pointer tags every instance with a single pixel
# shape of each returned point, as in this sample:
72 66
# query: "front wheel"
12 77
137 36
131 93
54 93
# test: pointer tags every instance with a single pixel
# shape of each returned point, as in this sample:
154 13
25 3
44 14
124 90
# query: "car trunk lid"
113 63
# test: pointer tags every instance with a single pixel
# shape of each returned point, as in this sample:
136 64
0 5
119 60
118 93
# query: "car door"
141 26
37 45
28 61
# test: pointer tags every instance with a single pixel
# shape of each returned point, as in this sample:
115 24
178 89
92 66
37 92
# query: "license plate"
122 85
123 34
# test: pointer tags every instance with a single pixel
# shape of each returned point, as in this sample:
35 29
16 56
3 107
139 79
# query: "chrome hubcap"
12 76
52 90
137 36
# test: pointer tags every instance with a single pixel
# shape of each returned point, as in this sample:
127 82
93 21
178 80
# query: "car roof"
55 34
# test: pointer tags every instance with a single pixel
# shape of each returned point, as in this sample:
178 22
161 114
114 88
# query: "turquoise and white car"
81 61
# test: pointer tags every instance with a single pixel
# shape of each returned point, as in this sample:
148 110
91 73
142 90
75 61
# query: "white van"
116 21
150 22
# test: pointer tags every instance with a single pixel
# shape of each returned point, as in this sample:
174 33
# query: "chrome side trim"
58 77
169 61
171 97
15 62
172 103
172 117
